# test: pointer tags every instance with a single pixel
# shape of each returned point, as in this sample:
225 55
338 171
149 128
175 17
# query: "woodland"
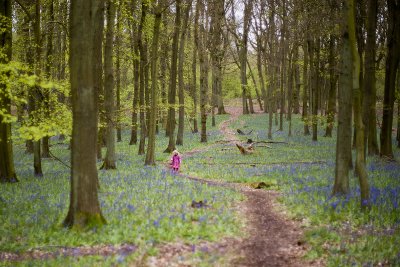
285 112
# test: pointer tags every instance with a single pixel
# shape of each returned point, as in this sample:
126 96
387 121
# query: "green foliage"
144 206
303 171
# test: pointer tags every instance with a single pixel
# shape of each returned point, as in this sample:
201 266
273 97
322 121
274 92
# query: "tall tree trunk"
392 63
255 87
369 96
118 72
315 91
360 155
150 154
136 85
142 85
304 114
109 160
290 92
194 66
7 169
343 142
84 209
37 161
172 85
332 89
203 59
296 95
243 54
98 66
181 82
49 62
261 75
283 66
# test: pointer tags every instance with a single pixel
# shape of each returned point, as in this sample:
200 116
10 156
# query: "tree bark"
136 77
37 96
243 54
181 82
150 154
203 59
332 89
305 89
84 209
142 85
109 102
7 169
49 62
369 96
172 86
392 63
360 155
194 66
98 66
343 142
118 72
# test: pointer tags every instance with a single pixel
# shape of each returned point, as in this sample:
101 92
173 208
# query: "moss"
84 221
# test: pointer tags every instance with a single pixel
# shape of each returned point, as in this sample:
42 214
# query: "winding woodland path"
272 239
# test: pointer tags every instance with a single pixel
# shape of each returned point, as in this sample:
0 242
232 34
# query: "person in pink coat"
175 161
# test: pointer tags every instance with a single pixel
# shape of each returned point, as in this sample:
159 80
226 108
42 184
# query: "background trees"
191 56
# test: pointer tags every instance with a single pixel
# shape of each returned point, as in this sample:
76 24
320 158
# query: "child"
175 161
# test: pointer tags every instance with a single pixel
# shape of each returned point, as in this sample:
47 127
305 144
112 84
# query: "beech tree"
7 170
84 209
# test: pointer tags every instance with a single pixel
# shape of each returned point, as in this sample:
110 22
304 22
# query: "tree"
154 87
109 160
343 142
243 54
369 96
181 83
7 170
84 209
172 85
392 64
203 59
360 155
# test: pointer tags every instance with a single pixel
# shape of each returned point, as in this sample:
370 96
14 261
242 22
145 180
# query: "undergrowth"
304 172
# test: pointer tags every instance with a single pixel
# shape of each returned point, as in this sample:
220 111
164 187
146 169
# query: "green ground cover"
303 171
143 206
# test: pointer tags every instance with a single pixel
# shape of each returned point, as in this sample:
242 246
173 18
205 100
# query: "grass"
147 206
304 172
144 206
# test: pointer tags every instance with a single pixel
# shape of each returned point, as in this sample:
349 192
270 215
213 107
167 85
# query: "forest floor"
272 239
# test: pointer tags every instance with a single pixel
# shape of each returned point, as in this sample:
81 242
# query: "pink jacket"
176 161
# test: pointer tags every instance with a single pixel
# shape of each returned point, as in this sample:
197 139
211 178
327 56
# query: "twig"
59 160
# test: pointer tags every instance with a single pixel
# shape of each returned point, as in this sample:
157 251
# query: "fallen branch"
243 133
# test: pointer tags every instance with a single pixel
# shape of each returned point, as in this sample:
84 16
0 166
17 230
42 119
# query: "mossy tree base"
82 221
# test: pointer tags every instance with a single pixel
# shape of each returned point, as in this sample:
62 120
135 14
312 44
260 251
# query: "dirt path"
272 239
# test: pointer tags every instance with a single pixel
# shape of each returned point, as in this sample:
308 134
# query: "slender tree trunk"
255 87
315 91
84 209
360 155
283 66
392 63
109 160
296 95
118 72
243 55
181 82
261 75
136 85
37 161
332 89
369 96
172 85
203 59
290 93
142 85
7 169
98 66
194 66
343 142
305 89
49 62
150 154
